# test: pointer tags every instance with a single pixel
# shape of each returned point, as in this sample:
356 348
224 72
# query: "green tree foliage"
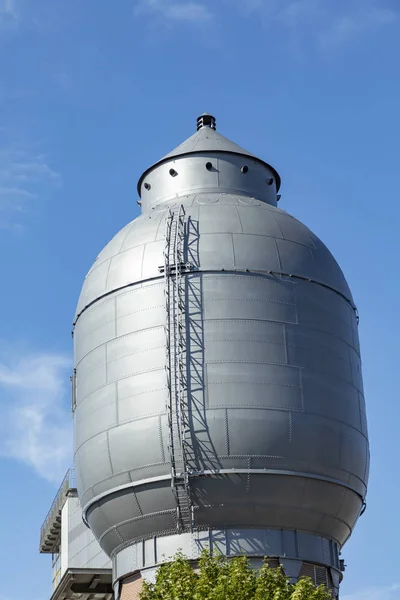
218 578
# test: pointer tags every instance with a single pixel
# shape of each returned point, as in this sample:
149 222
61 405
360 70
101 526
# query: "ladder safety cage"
175 334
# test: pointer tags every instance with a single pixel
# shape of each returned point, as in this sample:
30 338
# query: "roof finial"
206 120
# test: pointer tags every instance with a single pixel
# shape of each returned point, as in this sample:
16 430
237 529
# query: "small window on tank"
245 169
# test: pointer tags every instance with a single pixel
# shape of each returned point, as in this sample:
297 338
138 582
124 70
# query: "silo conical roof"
207 140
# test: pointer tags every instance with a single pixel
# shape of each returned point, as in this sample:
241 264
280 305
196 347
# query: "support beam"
82 588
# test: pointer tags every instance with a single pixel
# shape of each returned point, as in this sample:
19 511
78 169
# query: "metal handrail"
67 484
175 342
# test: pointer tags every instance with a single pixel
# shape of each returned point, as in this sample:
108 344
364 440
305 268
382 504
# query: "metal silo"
218 397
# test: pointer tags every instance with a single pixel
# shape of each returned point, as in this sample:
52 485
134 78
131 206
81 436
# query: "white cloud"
24 176
172 10
383 593
36 423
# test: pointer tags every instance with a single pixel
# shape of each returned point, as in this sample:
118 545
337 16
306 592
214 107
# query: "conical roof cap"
205 140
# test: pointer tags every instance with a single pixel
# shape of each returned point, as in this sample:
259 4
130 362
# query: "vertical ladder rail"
175 332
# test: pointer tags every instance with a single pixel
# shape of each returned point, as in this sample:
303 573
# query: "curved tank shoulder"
235 233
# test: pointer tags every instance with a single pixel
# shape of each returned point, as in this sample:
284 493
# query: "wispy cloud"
352 25
391 592
9 8
8 13
24 176
329 22
36 423
174 11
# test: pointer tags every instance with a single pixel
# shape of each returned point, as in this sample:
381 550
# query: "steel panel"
128 508
141 362
94 285
292 568
101 397
149 552
276 375
285 491
136 321
94 460
316 441
232 308
143 231
266 289
114 246
245 330
309 545
307 337
332 398
219 219
325 362
353 452
140 299
110 540
145 405
125 267
269 431
141 384
125 439
253 395
134 343
113 481
126 561
152 259
256 252
252 352
250 542
89 380
292 230
100 419
263 225
216 251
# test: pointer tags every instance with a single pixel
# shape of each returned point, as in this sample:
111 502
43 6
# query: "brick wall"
131 588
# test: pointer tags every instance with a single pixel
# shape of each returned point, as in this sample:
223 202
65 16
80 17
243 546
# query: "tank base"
300 554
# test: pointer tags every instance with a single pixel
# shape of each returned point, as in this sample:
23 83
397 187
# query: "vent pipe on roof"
206 120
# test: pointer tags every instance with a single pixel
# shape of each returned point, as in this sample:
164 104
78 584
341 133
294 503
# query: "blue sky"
91 93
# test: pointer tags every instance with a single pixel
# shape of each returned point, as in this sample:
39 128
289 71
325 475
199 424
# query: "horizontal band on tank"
211 154
192 475
280 543
211 272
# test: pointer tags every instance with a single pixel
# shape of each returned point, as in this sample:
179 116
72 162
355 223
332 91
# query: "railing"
175 332
67 484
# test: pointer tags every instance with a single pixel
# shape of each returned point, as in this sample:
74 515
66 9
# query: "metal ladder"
175 333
